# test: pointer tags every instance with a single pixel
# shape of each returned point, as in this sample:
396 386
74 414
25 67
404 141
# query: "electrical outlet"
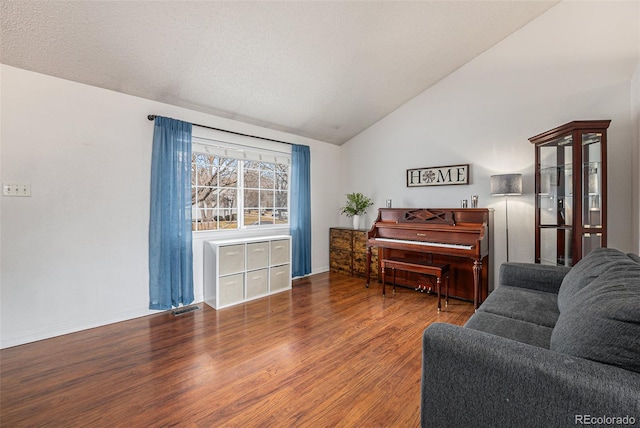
16 189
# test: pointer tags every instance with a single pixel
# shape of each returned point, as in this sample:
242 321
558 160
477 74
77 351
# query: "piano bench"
439 271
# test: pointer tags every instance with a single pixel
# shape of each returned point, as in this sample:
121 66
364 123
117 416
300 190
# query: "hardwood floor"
328 353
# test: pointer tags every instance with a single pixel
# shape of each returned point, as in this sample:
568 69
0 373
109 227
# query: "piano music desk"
422 268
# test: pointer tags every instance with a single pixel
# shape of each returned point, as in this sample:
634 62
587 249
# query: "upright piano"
459 237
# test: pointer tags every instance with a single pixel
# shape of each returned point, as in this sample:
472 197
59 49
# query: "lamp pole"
506 217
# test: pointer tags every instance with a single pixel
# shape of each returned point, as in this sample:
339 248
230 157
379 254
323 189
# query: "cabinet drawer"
340 261
360 241
257 255
341 239
231 259
279 252
280 278
231 289
257 283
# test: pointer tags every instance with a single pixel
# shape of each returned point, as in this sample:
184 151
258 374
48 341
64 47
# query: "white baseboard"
59 330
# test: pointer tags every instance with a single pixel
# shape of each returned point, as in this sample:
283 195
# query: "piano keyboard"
427 244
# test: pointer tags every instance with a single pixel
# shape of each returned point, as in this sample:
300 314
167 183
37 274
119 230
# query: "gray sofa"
550 347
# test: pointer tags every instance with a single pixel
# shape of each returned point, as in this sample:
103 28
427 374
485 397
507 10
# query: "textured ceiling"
324 70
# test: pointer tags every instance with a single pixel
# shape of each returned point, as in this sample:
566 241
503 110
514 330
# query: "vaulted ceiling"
323 69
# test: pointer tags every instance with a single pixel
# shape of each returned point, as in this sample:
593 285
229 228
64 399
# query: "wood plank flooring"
328 353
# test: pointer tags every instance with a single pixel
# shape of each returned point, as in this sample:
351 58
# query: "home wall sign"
438 175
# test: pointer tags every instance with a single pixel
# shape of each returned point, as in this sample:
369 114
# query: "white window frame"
242 148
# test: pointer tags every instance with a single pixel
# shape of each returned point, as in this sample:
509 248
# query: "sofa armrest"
472 378
534 276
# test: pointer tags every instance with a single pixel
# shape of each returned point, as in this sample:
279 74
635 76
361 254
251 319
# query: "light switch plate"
16 189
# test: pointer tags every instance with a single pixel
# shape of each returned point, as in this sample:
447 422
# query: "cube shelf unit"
239 270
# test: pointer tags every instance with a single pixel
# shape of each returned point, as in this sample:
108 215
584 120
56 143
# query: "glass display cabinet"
571 191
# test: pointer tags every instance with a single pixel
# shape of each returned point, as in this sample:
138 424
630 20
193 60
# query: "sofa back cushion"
586 270
602 320
634 257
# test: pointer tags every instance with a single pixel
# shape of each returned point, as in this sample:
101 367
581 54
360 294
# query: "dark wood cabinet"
571 191
348 252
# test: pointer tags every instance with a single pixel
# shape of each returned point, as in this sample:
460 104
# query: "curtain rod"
153 116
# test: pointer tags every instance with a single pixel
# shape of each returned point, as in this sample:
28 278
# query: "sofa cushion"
523 304
634 257
602 321
510 328
586 270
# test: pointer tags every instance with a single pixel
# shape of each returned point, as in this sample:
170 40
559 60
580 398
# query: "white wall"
635 116
574 62
635 120
74 254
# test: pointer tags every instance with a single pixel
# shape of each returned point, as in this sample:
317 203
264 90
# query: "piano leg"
477 278
394 280
369 267
446 297
382 273
438 284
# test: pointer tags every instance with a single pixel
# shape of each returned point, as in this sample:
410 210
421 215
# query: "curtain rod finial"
151 117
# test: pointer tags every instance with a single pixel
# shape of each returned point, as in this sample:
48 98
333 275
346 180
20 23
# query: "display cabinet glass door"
592 185
555 201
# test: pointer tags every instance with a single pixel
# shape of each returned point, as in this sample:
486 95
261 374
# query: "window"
266 193
214 192
238 187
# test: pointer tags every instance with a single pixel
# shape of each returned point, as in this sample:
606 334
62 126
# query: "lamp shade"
506 184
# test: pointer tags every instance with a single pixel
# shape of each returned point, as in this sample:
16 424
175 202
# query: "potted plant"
357 205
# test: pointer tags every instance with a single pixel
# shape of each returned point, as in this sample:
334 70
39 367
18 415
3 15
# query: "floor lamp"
505 185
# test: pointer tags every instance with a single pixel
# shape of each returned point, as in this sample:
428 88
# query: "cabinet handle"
232 253
258 250
278 247
421 234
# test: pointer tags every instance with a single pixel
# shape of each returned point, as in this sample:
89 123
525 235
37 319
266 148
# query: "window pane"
251 199
268 166
228 218
251 216
228 198
281 216
204 197
204 219
282 182
266 217
267 179
251 179
266 198
227 172
252 165
281 199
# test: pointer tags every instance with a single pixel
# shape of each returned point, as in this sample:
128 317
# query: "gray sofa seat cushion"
523 304
586 270
510 328
602 321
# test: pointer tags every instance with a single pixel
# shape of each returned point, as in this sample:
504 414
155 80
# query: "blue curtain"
300 221
170 250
